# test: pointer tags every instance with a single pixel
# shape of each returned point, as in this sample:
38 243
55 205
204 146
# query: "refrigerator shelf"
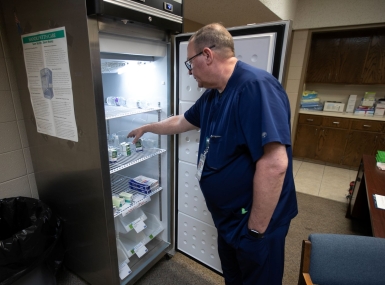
136 157
119 183
113 112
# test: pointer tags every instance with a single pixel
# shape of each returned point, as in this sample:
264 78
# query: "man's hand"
172 125
136 134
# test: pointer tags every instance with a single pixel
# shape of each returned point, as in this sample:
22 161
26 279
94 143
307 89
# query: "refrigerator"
125 68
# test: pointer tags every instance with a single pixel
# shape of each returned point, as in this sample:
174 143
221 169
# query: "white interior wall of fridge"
196 233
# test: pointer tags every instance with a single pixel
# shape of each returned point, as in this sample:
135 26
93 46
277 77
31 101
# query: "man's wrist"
256 233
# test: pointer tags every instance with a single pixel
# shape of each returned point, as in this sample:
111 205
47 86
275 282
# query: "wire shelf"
112 112
134 158
119 183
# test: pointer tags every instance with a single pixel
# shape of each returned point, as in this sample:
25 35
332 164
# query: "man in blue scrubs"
245 157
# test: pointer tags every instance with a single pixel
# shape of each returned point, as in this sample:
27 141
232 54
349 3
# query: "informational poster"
49 82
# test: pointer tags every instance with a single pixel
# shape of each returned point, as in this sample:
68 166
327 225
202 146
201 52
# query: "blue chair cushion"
347 260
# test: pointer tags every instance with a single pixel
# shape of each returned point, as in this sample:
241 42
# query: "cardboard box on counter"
380 109
364 112
351 104
332 106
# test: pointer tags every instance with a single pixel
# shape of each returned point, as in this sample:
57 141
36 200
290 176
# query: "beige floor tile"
311 171
307 185
296 166
353 175
336 178
342 173
312 166
325 181
333 193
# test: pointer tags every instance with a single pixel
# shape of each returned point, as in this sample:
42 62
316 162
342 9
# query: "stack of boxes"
367 105
380 108
310 101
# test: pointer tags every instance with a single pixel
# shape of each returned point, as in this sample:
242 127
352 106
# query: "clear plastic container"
122 256
130 240
116 101
125 223
154 228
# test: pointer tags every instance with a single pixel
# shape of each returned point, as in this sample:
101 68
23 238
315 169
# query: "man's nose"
190 71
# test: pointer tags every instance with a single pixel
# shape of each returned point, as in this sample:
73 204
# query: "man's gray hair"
213 34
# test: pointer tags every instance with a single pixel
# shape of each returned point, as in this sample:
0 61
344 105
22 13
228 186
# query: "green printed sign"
132 251
44 37
151 236
130 226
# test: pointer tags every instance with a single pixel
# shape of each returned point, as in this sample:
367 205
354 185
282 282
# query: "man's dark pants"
255 261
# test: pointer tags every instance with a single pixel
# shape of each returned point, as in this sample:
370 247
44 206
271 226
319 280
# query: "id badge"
201 163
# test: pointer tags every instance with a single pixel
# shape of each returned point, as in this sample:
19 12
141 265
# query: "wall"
295 76
285 9
191 26
331 13
16 171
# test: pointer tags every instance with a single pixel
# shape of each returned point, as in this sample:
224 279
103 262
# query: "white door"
263 46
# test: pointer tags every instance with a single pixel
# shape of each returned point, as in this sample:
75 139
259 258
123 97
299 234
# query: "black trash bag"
29 236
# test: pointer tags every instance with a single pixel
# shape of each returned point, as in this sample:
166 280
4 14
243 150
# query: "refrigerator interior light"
123 69
112 66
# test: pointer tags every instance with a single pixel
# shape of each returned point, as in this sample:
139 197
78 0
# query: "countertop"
343 115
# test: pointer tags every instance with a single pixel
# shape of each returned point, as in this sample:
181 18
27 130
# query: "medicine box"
351 104
380 109
331 106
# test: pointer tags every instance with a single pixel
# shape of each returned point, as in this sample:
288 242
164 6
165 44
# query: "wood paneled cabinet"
337 140
350 57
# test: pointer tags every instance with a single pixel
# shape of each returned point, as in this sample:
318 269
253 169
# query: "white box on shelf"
364 112
380 109
368 103
331 106
351 104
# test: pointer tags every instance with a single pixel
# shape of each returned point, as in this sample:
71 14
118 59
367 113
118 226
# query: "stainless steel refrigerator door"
71 176
263 46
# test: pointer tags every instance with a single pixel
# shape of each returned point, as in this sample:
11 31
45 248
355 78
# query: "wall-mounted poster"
49 82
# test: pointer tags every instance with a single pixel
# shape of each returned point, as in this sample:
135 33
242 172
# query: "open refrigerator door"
262 46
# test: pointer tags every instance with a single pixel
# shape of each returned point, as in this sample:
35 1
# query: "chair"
333 259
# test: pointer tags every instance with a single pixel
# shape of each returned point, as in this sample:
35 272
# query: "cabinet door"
306 141
336 122
331 145
351 57
366 125
323 57
360 143
380 143
307 119
374 69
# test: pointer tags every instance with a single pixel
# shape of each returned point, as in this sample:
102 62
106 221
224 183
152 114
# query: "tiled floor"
322 180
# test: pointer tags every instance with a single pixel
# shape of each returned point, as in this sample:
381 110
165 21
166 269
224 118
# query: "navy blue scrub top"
252 111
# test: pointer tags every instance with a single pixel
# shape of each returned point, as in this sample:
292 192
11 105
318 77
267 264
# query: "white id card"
201 163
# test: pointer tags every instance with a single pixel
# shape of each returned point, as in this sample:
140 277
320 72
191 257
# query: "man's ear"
208 54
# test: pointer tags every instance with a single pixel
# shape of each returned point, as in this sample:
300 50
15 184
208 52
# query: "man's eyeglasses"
188 62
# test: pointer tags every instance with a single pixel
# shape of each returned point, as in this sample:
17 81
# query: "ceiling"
230 13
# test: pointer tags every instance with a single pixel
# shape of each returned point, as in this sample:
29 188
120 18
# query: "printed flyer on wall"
49 82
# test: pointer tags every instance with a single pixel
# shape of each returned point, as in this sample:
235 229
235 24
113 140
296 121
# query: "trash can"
29 242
